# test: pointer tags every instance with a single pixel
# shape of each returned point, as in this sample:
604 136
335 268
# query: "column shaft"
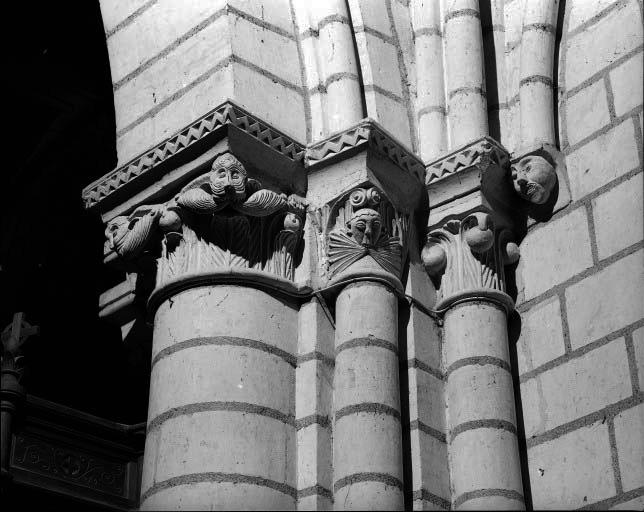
482 434
221 427
367 444
467 105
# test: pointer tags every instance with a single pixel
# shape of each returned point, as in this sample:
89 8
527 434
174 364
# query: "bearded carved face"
365 226
228 178
534 179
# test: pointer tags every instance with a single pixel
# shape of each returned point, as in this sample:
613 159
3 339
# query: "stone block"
201 443
626 81
482 459
275 12
475 392
541 338
606 301
269 100
315 454
355 437
426 399
586 112
554 253
430 468
115 13
392 114
423 339
181 109
618 217
629 437
384 65
265 49
638 343
159 82
601 44
372 14
159 29
576 388
573 470
603 159
221 373
369 374
222 311
583 10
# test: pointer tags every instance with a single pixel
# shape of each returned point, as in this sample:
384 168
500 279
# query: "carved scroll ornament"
220 219
364 224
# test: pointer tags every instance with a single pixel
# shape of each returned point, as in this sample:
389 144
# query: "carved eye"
376 225
221 173
234 175
360 225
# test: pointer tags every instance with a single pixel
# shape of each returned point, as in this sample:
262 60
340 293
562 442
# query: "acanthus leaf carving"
468 254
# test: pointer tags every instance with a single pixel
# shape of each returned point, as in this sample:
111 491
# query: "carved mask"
365 226
228 178
534 178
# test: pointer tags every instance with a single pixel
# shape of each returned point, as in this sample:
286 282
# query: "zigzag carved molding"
225 114
367 132
467 156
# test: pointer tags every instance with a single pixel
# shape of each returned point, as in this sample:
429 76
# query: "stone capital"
364 187
466 258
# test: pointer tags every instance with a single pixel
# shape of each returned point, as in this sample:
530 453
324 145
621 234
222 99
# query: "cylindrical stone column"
367 443
467 105
483 448
221 429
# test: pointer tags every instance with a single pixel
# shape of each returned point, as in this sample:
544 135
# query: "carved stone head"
534 179
228 178
365 226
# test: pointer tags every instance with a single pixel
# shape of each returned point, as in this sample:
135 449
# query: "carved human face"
228 178
365 226
534 178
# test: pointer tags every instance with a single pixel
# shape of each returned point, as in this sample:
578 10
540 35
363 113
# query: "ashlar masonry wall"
581 275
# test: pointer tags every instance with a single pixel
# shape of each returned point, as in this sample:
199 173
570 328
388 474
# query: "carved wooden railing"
76 455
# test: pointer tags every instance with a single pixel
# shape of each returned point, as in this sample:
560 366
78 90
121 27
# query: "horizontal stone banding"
367 477
471 13
418 364
483 493
314 490
333 18
366 342
243 407
425 495
540 79
478 360
541 27
225 341
315 356
428 31
436 109
313 419
426 429
214 477
466 90
370 407
476 424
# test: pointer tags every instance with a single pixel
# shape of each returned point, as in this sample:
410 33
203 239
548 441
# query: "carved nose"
367 236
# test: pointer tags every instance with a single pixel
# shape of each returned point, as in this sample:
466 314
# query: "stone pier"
223 376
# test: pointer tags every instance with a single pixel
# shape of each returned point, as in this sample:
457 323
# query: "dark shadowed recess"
61 135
